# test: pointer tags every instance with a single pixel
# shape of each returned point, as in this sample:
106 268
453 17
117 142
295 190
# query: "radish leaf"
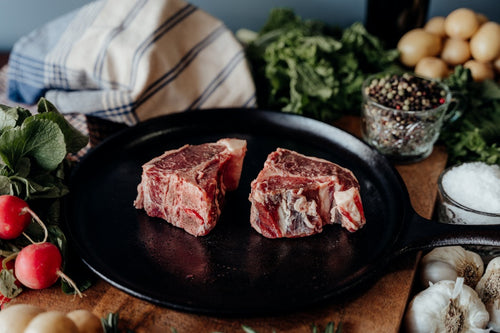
4 185
8 287
73 138
38 138
12 116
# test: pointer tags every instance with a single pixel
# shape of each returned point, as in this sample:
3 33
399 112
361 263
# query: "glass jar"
404 135
449 210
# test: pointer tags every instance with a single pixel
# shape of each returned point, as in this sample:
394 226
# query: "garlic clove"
450 262
435 271
446 306
488 289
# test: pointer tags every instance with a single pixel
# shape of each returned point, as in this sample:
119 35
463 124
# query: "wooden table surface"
379 308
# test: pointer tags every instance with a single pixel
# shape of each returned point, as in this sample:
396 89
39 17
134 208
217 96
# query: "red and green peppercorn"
406 92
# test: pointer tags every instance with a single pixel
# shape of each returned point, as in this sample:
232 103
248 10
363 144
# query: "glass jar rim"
455 203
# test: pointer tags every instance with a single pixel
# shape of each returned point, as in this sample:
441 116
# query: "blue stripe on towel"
129 18
165 79
26 71
24 93
85 17
251 102
29 75
180 66
218 80
165 27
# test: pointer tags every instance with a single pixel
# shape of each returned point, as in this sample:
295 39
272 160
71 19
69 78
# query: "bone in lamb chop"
296 195
187 186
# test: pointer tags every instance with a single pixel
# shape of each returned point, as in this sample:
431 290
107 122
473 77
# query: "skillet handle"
421 234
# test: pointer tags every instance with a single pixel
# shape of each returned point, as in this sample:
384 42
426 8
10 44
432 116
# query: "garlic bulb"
488 290
450 262
446 306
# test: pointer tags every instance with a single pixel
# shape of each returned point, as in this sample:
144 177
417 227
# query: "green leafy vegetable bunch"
475 136
309 68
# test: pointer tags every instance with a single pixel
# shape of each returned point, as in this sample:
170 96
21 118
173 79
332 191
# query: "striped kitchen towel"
130 60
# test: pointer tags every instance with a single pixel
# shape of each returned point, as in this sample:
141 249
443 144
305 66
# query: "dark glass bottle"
390 19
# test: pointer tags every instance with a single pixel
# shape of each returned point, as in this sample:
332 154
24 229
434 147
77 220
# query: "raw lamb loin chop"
187 186
296 195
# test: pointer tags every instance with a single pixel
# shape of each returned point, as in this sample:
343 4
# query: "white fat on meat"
346 201
296 203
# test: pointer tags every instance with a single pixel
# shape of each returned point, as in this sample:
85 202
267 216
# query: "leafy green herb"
248 329
12 116
8 286
330 328
110 323
475 136
306 67
33 150
40 140
73 138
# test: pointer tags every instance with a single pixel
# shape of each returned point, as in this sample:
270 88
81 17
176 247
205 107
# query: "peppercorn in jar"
402 114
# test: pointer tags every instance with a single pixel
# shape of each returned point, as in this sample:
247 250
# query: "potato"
480 71
461 23
51 322
417 44
86 321
432 67
455 51
485 44
481 18
15 318
435 26
496 65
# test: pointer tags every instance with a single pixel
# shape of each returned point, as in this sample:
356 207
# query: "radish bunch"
38 265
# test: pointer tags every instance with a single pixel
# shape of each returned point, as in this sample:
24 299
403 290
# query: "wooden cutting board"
378 308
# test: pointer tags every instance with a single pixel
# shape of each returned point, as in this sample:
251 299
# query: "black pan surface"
233 270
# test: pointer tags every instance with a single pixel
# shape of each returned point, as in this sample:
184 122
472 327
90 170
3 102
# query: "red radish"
38 266
15 215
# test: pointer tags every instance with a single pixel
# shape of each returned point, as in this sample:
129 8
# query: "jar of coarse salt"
469 193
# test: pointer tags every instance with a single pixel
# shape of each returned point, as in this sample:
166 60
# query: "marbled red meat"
296 195
187 186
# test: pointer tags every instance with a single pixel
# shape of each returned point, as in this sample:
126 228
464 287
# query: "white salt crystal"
475 185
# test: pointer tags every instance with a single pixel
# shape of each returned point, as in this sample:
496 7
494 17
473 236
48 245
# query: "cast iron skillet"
234 270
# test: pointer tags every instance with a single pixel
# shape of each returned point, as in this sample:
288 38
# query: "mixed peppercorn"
386 125
406 92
